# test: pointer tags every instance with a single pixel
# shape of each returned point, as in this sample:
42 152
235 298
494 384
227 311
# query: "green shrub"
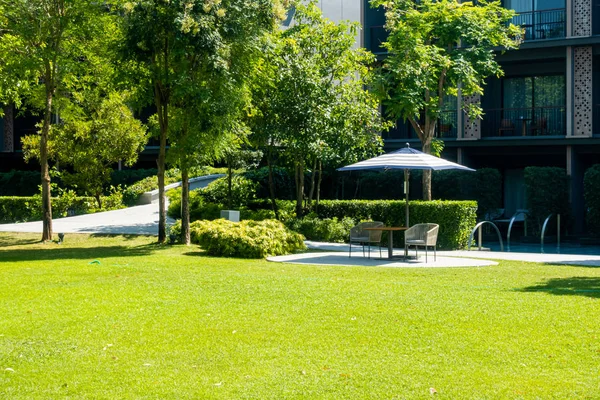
23 209
19 183
591 191
199 207
245 239
483 186
547 191
331 230
456 218
243 190
128 177
282 181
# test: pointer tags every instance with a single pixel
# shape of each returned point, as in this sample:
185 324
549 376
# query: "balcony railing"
446 128
536 121
546 24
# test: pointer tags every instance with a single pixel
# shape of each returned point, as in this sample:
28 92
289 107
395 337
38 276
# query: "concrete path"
138 220
331 254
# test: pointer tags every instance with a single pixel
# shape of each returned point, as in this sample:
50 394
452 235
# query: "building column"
9 132
581 13
575 172
579 91
470 128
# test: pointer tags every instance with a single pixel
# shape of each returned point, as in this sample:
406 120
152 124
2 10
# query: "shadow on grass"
575 286
77 253
11 241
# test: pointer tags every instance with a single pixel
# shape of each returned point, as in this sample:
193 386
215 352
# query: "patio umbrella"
405 159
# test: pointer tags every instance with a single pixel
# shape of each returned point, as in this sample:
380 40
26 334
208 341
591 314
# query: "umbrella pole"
406 175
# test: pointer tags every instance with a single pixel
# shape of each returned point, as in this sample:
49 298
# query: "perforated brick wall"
582 91
472 128
9 145
582 17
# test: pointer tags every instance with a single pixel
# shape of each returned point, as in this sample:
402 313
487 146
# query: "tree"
176 39
49 44
435 48
311 99
101 134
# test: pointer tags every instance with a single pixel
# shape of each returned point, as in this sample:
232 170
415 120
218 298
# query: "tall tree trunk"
427 173
272 183
313 175
45 174
319 185
185 203
229 183
162 109
299 187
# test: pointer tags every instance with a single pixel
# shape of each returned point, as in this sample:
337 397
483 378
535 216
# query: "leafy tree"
434 48
310 99
91 143
48 44
183 44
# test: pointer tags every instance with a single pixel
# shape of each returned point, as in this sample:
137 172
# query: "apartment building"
544 111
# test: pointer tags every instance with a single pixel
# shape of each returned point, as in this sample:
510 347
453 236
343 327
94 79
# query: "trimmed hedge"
591 192
323 230
245 239
22 209
456 218
547 191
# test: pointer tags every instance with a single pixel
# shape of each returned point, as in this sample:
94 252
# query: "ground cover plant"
122 317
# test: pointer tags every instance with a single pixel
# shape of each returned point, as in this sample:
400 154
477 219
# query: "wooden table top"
387 228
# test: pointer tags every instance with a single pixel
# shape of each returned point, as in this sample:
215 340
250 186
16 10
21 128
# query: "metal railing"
480 234
530 121
510 225
544 24
557 232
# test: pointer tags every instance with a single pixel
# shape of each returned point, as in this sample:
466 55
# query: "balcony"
446 128
524 122
543 24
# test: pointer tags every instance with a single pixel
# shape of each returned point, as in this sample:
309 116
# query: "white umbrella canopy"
405 159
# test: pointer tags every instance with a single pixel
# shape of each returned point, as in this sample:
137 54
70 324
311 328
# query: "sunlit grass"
148 321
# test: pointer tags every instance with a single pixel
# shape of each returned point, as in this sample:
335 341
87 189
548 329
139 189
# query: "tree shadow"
11 241
90 253
574 286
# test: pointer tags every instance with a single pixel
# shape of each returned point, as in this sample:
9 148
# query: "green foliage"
483 186
547 190
243 190
332 230
245 239
23 209
200 208
283 182
591 190
128 177
456 218
19 183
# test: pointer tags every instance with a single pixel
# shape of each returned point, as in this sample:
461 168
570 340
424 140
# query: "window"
542 19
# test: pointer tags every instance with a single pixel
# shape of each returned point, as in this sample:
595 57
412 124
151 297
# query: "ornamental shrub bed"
245 239
591 191
456 218
547 191
22 209
331 230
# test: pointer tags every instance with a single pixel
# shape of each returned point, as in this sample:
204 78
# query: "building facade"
544 111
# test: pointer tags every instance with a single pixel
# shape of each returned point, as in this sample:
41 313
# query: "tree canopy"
436 48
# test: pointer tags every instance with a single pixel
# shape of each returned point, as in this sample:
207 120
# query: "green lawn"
168 322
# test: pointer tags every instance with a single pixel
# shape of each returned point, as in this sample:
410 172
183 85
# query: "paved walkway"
137 220
337 254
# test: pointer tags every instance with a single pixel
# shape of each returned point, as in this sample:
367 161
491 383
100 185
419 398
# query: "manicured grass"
168 322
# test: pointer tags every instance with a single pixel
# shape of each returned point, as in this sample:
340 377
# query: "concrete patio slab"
337 258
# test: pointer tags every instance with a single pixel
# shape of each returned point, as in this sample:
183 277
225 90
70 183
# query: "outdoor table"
391 230
524 125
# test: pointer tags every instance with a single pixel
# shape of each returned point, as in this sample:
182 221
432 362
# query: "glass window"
537 91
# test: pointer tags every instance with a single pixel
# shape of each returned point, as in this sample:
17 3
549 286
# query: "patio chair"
424 235
360 236
539 126
506 125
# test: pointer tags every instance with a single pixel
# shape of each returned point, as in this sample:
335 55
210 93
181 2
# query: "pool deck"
337 254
